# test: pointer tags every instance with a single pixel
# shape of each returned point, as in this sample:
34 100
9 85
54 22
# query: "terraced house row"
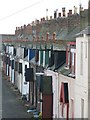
55 81
50 67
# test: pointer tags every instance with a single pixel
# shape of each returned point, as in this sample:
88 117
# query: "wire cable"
19 11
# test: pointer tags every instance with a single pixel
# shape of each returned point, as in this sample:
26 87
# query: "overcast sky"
16 13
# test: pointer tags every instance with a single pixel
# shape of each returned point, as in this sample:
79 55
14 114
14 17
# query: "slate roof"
85 31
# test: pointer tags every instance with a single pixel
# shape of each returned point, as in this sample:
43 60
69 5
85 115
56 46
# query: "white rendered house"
82 82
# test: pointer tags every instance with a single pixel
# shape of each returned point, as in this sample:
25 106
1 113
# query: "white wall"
71 86
81 83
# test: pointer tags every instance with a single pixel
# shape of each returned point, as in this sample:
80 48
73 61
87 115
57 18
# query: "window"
82 108
68 56
72 108
71 59
64 98
81 60
86 50
20 68
16 66
73 62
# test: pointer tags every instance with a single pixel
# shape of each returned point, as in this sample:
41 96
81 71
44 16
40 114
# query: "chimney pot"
16 28
38 38
70 13
55 14
59 15
24 26
54 35
46 17
42 38
38 21
43 19
75 10
63 11
50 17
47 36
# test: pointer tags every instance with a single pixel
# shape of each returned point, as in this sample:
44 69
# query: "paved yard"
12 107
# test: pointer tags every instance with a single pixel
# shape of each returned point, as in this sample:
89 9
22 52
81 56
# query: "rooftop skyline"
17 13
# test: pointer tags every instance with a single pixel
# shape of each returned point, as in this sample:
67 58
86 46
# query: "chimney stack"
63 11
